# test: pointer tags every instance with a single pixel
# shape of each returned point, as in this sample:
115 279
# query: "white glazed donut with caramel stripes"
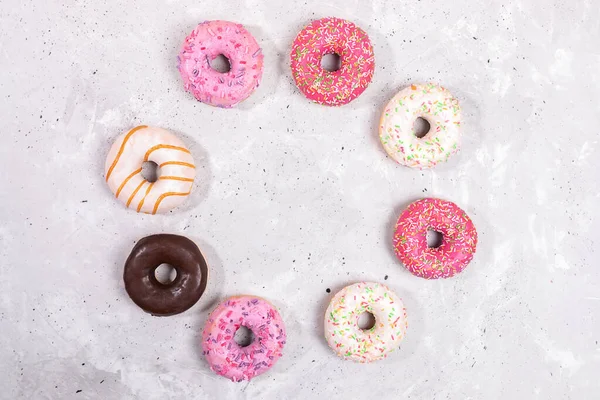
176 170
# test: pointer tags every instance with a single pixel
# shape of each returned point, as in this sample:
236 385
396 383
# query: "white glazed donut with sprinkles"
396 129
175 174
347 339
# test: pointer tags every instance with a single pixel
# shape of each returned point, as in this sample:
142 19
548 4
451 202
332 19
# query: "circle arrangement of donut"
332 36
177 296
229 359
209 40
459 238
176 172
349 341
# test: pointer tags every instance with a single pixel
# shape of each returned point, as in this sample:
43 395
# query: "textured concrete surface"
295 198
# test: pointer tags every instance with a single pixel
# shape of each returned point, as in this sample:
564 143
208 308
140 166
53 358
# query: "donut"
165 299
176 170
224 356
459 238
209 40
439 108
347 339
332 36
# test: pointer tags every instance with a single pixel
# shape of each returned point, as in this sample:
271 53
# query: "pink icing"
458 243
327 36
209 40
225 356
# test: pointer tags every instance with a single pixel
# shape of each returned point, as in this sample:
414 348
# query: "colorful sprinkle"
341 322
396 129
332 36
458 244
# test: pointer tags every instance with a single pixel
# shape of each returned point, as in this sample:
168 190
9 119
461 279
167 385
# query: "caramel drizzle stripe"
164 146
144 198
116 160
135 192
164 195
176 178
177 163
137 171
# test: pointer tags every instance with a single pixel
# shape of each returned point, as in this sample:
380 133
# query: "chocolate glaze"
172 298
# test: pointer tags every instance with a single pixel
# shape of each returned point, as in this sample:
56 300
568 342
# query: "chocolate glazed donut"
172 298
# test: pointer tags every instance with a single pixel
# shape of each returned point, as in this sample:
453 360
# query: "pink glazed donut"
332 36
458 243
209 40
231 360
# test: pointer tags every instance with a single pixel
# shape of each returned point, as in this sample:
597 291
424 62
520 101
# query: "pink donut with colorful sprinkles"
459 238
209 40
332 36
231 360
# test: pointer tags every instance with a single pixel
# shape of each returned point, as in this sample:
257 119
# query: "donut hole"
220 64
421 127
434 239
150 171
331 62
243 336
366 321
165 274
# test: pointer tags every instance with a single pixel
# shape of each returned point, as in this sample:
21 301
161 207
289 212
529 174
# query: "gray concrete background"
294 198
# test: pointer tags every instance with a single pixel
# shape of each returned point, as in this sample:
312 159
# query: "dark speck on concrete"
385 277
328 290
79 391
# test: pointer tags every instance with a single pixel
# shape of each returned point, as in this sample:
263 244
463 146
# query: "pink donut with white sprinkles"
229 359
332 36
459 238
209 40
